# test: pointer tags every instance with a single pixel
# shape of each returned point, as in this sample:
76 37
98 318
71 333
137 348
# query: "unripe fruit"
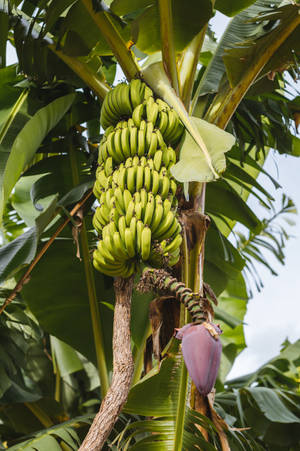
201 349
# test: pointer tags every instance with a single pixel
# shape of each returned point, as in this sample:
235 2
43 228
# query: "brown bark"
123 367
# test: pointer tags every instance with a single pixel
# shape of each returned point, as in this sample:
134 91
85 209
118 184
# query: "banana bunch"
136 101
136 217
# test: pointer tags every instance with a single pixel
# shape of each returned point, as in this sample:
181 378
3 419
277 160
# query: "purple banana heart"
201 349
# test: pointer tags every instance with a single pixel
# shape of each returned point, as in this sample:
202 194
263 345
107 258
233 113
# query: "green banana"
164 225
129 242
157 218
129 212
175 243
125 142
135 92
133 131
145 243
138 114
139 178
131 178
149 210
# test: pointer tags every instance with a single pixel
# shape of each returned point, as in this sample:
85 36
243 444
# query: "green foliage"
49 136
29 139
239 30
231 8
20 338
165 384
57 291
267 400
192 165
143 17
22 249
62 436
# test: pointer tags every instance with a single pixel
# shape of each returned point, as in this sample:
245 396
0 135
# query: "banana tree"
190 88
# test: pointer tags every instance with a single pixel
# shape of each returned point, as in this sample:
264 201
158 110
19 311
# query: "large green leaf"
223 260
29 139
188 19
22 249
21 351
8 93
192 165
232 7
81 32
57 295
230 313
223 200
267 401
282 369
238 60
12 100
63 434
164 384
54 10
66 358
49 178
240 29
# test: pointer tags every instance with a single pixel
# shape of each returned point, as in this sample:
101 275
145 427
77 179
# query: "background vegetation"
55 349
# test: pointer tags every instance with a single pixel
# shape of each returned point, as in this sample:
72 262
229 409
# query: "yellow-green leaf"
192 165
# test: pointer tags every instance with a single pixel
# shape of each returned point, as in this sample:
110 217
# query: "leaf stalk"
114 39
84 72
167 41
91 288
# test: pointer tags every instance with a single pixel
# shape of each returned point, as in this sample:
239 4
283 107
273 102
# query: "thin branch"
114 40
24 278
123 367
167 41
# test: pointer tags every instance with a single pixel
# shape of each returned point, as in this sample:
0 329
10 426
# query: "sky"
273 314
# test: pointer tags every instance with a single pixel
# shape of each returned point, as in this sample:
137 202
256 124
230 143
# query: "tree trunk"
123 367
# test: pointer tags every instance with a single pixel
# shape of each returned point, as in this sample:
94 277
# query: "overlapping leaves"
165 385
20 337
241 29
267 401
